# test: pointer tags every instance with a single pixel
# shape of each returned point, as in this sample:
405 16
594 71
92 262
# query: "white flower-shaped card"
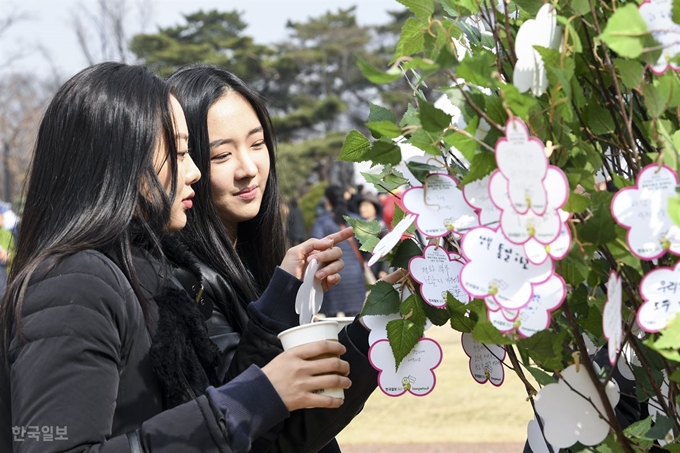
486 360
658 16
543 31
612 322
438 272
439 206
415 373
536 440
643 210
477 195
568 416
537 253
391 239
309 297
661 292
521 227
497 268
521 159
534 317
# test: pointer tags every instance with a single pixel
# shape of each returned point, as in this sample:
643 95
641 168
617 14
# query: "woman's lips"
248 193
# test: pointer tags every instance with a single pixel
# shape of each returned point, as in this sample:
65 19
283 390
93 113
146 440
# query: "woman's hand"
326 254
298 372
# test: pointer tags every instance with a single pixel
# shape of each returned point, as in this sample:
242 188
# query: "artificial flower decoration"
543 31
438 273
485 360
521 227
570 417
499 269
611 317
657 15
391 239
521 159
415 373
660 291
439 207
643 210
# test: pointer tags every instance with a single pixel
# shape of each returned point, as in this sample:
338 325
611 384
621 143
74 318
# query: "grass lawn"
457 410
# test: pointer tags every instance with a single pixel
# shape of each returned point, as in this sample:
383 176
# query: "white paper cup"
342 322
308 333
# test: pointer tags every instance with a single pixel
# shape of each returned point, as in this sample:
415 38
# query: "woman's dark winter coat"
88 364
246 334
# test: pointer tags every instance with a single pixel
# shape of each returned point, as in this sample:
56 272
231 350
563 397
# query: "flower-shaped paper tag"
521 227
661 292
568 416
495 267
536 440
438 272
391 239
643 210
521 159
611 317
439 206
658 16
415 373
310 295
485 360
537 253
534 317
530 69
477 195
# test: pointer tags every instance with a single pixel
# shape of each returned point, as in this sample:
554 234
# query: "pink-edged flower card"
486 360
438 272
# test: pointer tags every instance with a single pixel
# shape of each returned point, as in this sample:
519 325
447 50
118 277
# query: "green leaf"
463 142
365 232
482 164
675 12
411 117
639 428
530 6
519 103
674 209
580 7
384 129
630 72
379 113
432 118
404 252
460 320
599 229
382 300
376 75
411 40
668 343
541 376
412 309
422 9
643 388
384 152
656 99
427 141
355 148
477 69
485 332
540 343
624 31
662 425
437 316
576 203
669 149
599 120
403 335
421 170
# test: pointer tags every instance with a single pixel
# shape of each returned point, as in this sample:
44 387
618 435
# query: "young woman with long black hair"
235 239
103 351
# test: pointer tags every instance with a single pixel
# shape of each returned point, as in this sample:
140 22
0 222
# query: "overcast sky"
48 24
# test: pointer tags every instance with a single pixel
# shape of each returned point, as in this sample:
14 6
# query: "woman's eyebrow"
222 141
